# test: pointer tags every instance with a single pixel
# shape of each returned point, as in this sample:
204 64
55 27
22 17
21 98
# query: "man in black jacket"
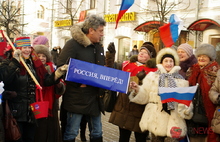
81 99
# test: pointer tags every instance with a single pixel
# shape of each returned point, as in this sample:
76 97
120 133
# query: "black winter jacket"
22 85
83 100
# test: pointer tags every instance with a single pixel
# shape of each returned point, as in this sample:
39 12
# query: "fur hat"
187 48
206 49
42 49
22 41
150 49
40 40
168 52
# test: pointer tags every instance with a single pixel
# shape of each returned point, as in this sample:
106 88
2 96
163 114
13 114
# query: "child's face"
42 57
168 64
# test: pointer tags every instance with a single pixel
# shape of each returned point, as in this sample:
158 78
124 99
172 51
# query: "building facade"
54 18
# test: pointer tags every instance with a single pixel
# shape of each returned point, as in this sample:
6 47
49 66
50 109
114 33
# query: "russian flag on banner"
182 95
169 33
126 4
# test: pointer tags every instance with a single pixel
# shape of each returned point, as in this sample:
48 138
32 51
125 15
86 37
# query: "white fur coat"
153 119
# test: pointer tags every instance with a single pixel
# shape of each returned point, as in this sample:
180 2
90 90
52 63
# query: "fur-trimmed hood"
79 36
165 51
42 49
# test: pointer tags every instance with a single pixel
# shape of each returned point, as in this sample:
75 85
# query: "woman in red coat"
204 73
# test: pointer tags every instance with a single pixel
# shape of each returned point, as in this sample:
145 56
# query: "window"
40 12
92 4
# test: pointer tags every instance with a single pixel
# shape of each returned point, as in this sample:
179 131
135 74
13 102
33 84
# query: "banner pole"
22 60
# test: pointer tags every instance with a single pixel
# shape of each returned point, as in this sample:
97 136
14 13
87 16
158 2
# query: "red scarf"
49 93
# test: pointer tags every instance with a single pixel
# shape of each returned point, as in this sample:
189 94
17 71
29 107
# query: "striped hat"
22 41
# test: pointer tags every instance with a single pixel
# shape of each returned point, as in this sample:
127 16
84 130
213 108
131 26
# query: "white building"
140 23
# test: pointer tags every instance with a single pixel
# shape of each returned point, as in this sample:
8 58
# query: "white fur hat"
167 51
206 49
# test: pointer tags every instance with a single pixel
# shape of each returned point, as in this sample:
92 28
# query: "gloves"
184 111
111 47
17 54
60 71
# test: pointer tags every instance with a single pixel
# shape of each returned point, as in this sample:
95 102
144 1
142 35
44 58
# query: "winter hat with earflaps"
206 49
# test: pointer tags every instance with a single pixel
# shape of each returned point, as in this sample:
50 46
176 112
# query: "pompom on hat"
187 48
22 41
40 40
206 49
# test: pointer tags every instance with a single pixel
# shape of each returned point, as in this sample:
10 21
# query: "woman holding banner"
126 115
203 73
23 84
165 121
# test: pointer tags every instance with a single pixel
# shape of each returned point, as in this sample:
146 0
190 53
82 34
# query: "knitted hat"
206 49
167 52
22 41
150 49
42 49
40 40
187 48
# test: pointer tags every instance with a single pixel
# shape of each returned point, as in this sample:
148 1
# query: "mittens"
17 54
60 71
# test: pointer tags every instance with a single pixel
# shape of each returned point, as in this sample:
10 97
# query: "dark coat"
76 99
14 81
55 55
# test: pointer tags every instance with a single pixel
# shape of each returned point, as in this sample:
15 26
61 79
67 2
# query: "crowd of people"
140 110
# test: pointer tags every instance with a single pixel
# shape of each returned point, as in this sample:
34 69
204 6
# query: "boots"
83 129
96 140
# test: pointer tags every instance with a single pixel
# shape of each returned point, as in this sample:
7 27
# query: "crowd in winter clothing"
140 110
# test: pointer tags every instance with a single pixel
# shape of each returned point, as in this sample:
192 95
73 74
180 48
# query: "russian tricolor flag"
169 33
126 4
182 95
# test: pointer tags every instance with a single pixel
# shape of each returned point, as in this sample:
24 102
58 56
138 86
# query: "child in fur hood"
162 120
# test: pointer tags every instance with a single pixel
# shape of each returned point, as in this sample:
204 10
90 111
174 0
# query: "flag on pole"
169 33
182 95
126 4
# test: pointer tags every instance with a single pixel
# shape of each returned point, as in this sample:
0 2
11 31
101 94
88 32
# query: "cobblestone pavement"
110 131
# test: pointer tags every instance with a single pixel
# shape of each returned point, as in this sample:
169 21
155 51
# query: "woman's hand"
134 86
